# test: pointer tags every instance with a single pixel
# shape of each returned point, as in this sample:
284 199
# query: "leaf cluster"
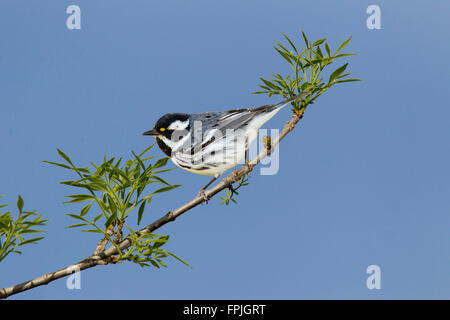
232 191
13 233
146 250
117 189
307 64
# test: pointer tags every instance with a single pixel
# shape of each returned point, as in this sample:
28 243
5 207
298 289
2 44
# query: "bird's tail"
294 98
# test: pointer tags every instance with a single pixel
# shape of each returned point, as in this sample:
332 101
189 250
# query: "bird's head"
168 124
169 130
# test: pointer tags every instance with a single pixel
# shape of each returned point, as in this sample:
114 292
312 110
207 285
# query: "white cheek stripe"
178 125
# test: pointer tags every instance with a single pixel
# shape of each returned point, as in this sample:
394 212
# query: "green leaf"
161 180
285 55
79 198
145 150
93 231
31 231
337 72
138 160
164 189
64 156
347 80
342 46
345 55
154 263
110 220
160 163
20 203
318 42
270 84
75 216
98 217
34 240
290 42
343 75
77 225
319 54
141 212
182 261
58 164
327 48
304 38
86 209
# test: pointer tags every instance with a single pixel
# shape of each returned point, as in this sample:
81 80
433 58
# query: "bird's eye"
162 129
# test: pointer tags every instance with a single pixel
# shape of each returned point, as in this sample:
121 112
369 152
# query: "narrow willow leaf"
161 180
98 217
154 263
347 80
270 84
345 55
86 209
93 231
304 38
77 225
31 231
75 216
282 47
138 160
110 220
141 212
160 163
145 150
327 48
337 72
161 262
34 240
160 242
342 46
164 189
285 56
319 54
79 198
290 42
64 156
58 164
182 261
20 203
318 42
343 75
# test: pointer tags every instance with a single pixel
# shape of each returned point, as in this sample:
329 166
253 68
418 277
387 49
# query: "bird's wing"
231 119
238 118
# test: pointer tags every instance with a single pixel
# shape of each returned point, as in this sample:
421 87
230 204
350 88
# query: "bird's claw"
203 195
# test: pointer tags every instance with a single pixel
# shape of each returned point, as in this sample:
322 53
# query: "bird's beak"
152 132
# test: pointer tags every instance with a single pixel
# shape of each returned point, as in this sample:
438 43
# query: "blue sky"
363 180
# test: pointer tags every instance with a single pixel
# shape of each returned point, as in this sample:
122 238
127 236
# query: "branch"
106 256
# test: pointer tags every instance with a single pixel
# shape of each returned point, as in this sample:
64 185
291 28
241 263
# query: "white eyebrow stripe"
178 125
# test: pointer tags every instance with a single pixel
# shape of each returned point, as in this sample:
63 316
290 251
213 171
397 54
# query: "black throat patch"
164 147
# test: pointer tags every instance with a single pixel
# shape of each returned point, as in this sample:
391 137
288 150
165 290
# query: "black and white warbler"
210 143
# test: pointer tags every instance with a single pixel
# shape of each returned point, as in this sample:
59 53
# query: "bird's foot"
203 195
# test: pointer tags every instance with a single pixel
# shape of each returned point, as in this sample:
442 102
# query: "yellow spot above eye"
162 129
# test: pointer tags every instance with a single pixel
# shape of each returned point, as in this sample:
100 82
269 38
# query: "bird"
212 142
